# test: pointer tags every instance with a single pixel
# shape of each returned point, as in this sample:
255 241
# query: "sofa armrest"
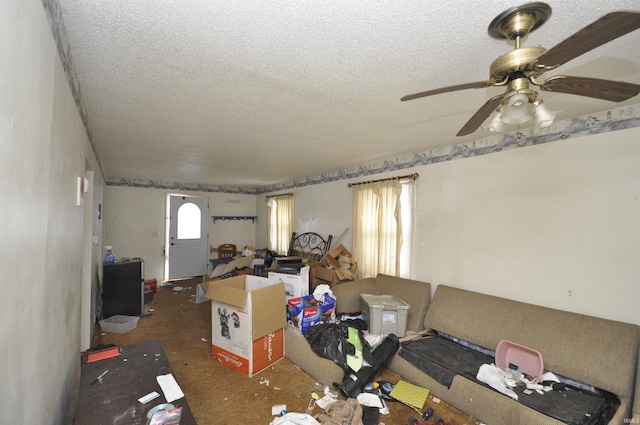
348 294
298 350
635 419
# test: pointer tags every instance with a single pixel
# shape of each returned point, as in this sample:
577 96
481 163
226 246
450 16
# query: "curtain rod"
408 176
280 194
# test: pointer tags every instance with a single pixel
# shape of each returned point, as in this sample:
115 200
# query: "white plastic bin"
385 314
119 324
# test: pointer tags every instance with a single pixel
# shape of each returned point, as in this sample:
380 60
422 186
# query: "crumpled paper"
341 412
322 289
497 379
294 419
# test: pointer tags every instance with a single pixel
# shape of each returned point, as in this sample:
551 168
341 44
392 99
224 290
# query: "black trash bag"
329 340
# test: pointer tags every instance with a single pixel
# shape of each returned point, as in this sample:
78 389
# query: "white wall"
326 209
43 149
554 224
135 223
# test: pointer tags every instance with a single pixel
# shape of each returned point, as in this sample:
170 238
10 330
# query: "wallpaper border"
56 22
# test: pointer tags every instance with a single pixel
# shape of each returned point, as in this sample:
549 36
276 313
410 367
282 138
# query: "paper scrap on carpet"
170 387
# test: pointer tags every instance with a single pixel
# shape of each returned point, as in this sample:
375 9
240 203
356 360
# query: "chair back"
227 250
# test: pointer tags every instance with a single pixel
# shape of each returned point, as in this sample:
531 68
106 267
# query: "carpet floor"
218 395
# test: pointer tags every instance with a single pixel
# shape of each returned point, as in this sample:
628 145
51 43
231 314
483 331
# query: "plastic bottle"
109 257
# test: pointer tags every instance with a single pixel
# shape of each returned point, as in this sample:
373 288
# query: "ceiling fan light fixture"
518 112
543 116
518 100
494 124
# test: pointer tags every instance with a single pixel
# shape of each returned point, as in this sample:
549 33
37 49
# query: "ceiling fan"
519 70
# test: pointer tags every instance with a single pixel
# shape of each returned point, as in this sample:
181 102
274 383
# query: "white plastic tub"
385 314
119 324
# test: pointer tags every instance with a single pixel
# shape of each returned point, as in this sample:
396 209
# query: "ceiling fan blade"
605 29
476 85
592 87
480 116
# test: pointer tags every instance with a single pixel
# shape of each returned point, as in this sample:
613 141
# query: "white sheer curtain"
377 228
279 222
407 201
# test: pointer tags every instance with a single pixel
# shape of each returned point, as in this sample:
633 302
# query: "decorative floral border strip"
606 121
54 16
195 187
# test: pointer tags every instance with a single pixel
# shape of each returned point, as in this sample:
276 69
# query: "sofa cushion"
348 294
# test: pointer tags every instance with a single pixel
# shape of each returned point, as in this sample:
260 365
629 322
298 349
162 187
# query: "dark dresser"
123 288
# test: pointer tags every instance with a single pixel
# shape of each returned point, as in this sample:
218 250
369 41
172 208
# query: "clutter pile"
338 266
246 319
364 409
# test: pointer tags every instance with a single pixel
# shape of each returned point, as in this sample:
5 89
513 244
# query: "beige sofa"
599 352
415 293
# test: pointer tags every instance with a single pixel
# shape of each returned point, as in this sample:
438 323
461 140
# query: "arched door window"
189 220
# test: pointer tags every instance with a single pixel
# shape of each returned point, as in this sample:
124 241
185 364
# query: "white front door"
188 236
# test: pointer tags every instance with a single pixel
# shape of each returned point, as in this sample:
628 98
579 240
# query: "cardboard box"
224 269
247 321
323 273
201 288
295 285
341 262
306 311
201 293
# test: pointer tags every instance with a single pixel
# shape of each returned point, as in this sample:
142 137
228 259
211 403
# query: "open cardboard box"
338 265
247 319
235 264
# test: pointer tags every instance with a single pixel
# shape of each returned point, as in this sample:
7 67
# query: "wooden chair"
310 246
226 251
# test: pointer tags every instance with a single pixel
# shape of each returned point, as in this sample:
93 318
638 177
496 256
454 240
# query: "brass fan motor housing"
518 22
516 60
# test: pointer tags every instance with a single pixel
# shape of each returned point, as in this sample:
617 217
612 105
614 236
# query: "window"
189 216
279 222
383 217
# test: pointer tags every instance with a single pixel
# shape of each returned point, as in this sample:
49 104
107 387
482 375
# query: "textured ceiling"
248 94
